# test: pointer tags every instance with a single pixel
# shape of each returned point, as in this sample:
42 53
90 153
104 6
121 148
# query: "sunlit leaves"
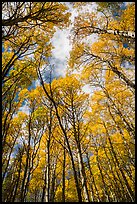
60 143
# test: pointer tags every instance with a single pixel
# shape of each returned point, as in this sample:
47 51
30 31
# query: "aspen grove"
71 145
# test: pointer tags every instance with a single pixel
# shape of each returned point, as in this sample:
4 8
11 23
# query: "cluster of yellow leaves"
127 21
97 125
75 55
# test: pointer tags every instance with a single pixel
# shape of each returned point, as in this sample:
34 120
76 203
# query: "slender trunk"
5 170
129 190
22 196
128 126
11 190
45 194
23 182
63 174
121 76
102 177
79 153
118 193
71 156
83 176
27 182
17 182
35 197
127 147
93 180
52 195
46 188
65 135
47 172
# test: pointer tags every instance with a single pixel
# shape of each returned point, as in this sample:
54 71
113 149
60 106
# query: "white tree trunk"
82 178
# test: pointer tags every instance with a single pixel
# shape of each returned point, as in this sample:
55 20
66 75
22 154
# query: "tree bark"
63 173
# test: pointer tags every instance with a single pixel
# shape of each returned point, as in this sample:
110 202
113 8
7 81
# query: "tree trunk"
83 176
93 180
129 190
63 174
65 135
22 196
52 194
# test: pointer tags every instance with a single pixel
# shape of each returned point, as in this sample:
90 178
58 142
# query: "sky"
60 53
62 44
62 47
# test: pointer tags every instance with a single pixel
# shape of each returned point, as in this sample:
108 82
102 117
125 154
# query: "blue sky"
62 47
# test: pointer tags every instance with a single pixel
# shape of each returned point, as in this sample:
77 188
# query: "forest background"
68 101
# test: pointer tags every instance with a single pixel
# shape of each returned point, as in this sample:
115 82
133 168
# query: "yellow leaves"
67 87
55 13
123 95
22 115
112 87
23 93
117 138
114 25
35 33
78 5
9 139
84 23
98 46
69 93
128 18
72 103
90 72
37 180
41 112
127 21
6 56
18 120
118 90
75 55
126 135
98 96
86 73
44 138
98 128
70 193
70 82
109 75
104 49
33 94
6 45
127 52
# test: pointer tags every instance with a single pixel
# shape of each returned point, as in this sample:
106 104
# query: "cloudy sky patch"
25 109
61 44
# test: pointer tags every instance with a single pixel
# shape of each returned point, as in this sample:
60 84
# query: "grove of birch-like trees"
70 146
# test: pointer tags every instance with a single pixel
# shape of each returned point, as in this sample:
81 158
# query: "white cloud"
87 89
61 68
91 39
25 109
127 3
37 82
61 43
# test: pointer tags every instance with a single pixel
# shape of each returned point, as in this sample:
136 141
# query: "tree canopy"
69 145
